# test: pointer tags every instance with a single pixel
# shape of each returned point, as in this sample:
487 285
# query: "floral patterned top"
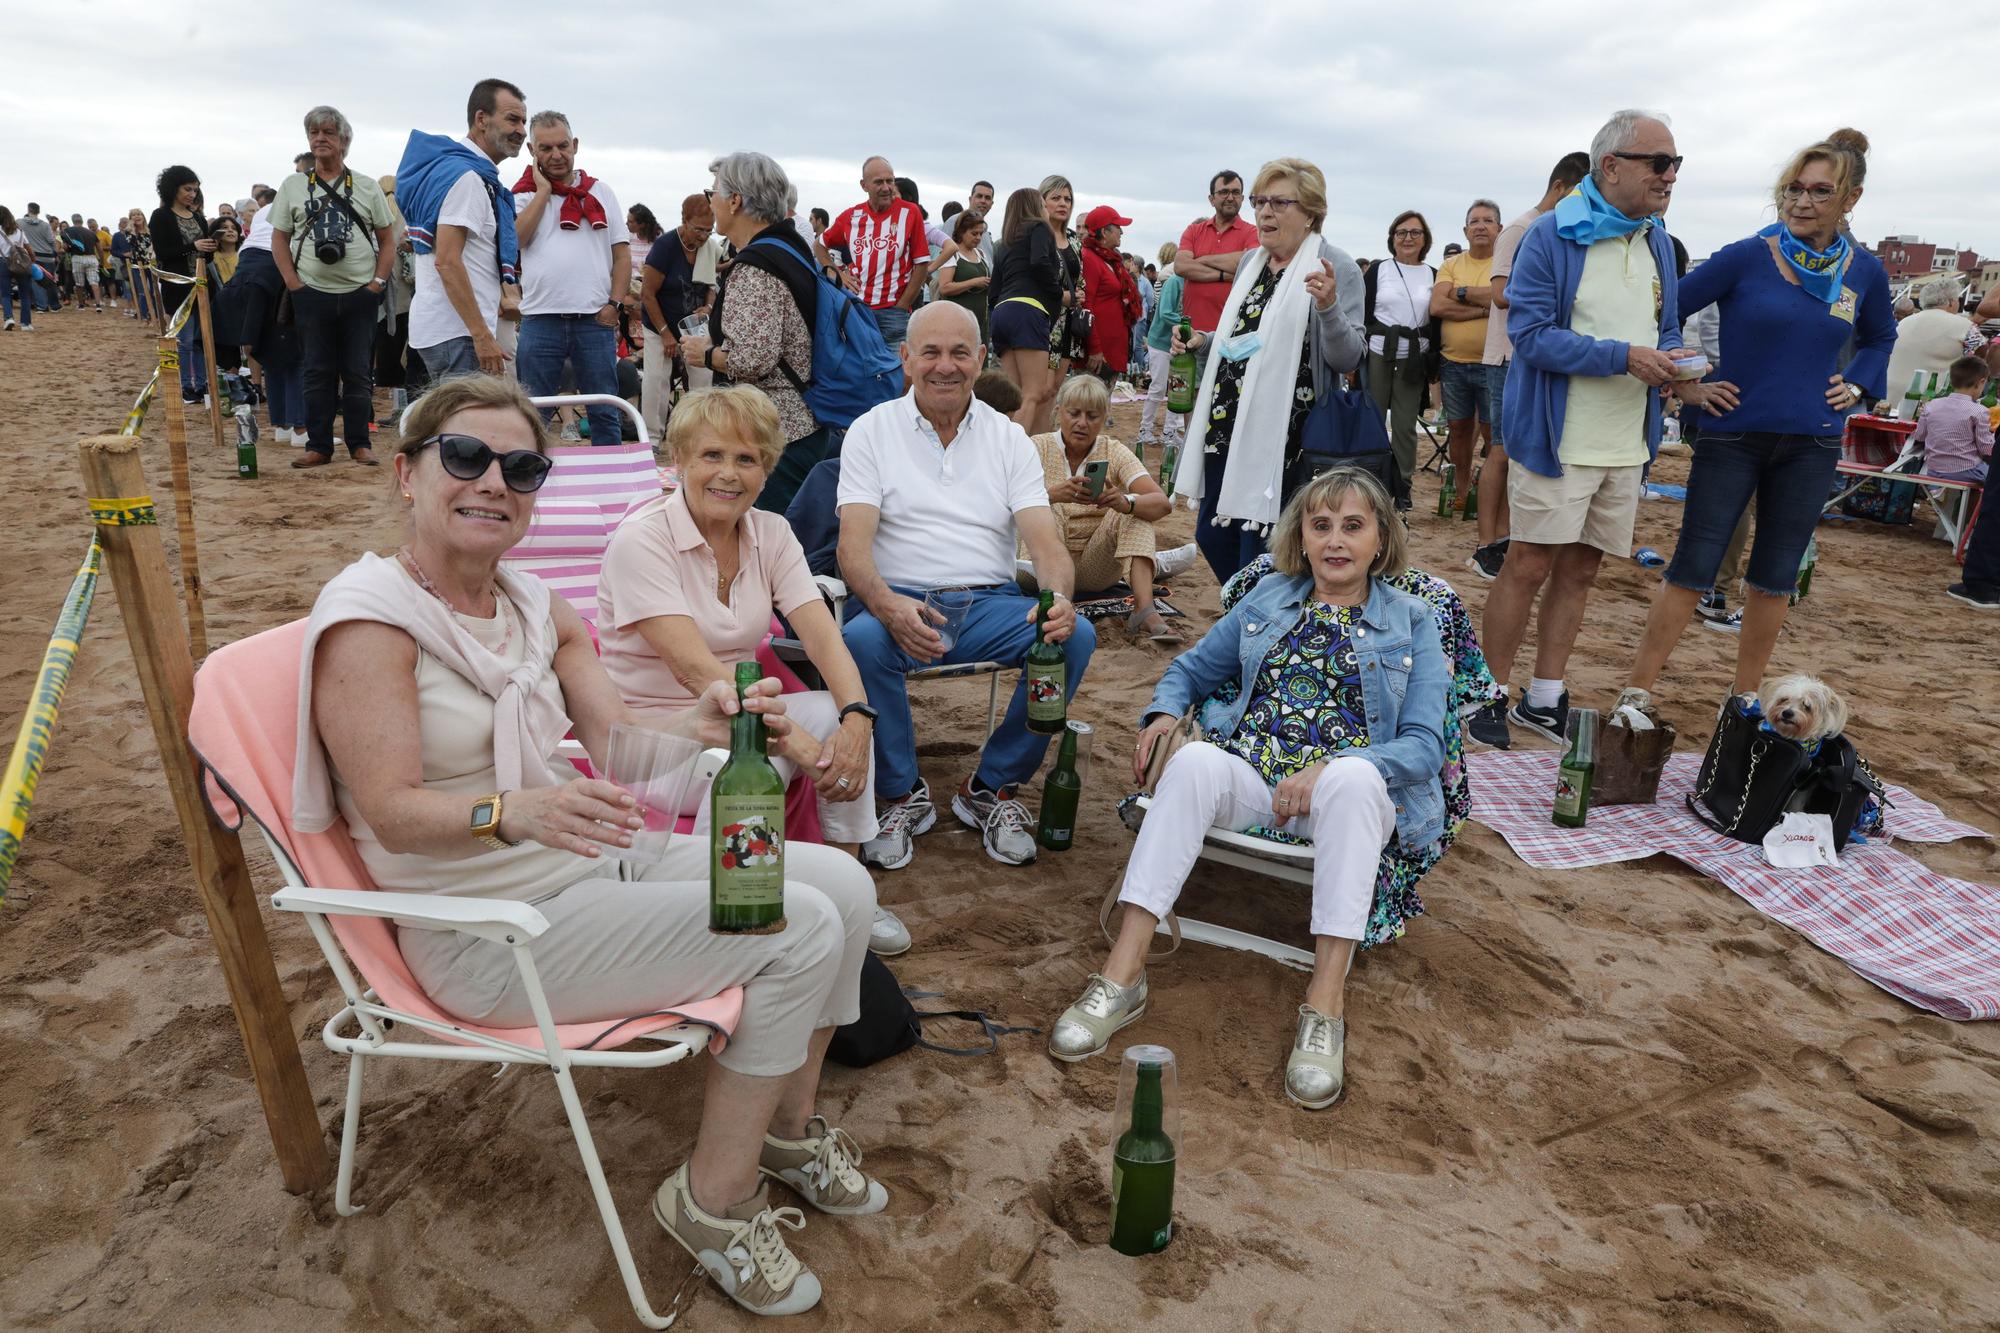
760 325
1071 259
1229 374
1306 703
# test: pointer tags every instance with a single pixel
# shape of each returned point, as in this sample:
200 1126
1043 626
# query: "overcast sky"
1401 106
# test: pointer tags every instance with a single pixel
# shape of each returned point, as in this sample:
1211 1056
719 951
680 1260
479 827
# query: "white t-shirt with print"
947 510
1402 300
569 272
468 204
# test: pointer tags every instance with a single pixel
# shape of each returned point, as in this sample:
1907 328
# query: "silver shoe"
888 936
1316 1072
1087 1026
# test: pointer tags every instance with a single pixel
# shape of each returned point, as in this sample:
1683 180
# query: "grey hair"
760 180
1618 134
1937 294
1482 203
327 115
1905 306
543 119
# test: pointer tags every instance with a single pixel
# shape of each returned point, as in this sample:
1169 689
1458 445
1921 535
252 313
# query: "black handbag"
1751 777
889 1024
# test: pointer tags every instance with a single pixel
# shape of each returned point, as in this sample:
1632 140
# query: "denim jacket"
1404 679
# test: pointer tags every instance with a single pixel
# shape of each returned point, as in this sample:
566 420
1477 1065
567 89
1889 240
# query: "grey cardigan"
1339 333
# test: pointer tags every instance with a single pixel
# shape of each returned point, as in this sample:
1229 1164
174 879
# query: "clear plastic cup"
656 770
694 326
953 604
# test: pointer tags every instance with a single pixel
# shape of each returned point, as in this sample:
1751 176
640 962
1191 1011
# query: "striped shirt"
885 246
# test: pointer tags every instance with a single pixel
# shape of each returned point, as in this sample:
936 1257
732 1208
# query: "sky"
1400 106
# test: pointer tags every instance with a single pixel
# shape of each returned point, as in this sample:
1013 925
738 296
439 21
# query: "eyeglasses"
1272 201
467 457
1408 233
1659 163
1819 194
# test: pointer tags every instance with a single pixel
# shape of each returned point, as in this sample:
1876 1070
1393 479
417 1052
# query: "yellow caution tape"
128 511
38 728
137 416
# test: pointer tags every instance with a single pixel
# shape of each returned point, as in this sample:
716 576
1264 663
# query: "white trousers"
654 383
1352 820
1174 428
839 821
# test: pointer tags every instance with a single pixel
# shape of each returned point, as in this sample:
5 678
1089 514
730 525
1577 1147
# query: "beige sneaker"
1087 1026
1316 1071
744 1250
824 1167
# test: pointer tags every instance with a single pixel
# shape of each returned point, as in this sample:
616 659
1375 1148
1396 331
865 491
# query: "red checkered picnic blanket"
1928 938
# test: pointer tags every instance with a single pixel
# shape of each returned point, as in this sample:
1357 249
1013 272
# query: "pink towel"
244 728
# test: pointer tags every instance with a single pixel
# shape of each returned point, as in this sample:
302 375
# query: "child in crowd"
1954 430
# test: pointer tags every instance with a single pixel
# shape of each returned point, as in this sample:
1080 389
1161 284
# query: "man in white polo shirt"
934 488
575 253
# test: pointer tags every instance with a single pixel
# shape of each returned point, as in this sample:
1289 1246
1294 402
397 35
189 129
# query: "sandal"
1152 625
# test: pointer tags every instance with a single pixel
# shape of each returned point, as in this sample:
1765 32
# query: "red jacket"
1112 298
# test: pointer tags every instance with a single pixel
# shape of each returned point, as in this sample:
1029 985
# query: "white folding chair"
1289 862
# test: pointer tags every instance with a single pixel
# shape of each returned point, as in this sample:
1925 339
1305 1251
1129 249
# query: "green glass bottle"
1471 498
746 840
1181 380
1578 767
1991 399
1142 1173
1062 791
1802 588
1913 397
1048 708
1447 486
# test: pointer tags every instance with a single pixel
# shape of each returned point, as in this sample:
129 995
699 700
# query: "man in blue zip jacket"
1596 329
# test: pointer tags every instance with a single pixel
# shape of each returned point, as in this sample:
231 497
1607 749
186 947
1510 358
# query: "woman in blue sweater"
1792 298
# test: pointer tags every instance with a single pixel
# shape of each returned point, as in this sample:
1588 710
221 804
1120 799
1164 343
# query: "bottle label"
749 868
1045 692
1571 786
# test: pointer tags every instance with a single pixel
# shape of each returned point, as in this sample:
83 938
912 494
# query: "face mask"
1241 347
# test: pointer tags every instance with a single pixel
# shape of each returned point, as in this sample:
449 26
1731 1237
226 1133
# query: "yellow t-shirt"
1465 339
1604 422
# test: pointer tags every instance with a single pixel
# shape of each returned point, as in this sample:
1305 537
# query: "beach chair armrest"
488 918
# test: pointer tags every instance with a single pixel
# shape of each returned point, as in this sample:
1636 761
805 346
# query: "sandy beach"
1600 1099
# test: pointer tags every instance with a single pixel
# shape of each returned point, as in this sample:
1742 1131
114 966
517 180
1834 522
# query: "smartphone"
1093 475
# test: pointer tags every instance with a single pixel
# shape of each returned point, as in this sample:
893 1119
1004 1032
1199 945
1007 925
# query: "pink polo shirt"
658 565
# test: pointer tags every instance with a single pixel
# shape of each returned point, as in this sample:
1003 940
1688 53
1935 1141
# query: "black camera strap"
346 206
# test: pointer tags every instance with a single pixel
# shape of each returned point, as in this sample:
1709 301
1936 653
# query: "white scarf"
527 720
1253 477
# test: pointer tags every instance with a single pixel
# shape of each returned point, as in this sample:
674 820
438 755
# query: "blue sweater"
1780 346
1541 292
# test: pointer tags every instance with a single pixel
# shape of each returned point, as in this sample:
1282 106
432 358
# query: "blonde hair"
1168 252
1326 491
464 393
1084 391
1311 183
739 412
1844 151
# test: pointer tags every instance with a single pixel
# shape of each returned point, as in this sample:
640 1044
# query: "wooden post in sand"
175 413
159 311
137 564
215 412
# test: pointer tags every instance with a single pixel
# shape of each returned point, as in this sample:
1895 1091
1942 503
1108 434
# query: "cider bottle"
1048 705
1578 766
1181 381
746 840
1062 792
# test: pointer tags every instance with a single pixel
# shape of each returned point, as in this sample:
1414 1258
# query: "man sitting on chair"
1337 733
934 488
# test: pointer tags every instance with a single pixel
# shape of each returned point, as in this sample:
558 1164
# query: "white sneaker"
900 822
1169 563
888 936
10 325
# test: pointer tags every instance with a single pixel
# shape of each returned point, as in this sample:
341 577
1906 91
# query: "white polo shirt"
569 272
433 318
947 510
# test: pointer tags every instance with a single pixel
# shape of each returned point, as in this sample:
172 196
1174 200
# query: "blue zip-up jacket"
1541 291
431 165
1404 679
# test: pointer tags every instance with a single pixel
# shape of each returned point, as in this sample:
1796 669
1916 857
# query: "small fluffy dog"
1803 709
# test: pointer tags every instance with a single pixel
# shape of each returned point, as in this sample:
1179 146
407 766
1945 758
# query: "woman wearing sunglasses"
1807 327
438 685
1292 323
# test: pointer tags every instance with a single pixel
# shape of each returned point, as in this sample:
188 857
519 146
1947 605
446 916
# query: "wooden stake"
137 564
153 291
175 413
215 412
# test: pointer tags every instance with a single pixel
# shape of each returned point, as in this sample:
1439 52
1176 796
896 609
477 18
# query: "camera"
329 234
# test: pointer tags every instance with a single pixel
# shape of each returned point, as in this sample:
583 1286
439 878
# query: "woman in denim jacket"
1336 733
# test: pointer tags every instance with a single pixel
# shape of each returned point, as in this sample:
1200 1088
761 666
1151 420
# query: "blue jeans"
285 396
1465 391
588 348
194 361
453 356
1226 549
894 321
43 301
1496 398
12 284
1790 475
1982 552
996 629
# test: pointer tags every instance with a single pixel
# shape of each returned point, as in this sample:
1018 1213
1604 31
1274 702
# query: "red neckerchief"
578 203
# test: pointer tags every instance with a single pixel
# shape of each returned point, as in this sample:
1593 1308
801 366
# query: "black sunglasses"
1661 163
467 457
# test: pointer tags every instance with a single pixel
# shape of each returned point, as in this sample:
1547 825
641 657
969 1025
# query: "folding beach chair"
244 728
1875 450
1289 858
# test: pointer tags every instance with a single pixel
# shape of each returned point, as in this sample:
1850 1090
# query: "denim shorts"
1465 391
1017 324
1496 396
1790 476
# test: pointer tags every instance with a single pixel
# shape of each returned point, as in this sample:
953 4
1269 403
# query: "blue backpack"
854 368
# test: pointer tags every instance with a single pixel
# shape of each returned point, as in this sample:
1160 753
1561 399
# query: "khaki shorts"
1596 506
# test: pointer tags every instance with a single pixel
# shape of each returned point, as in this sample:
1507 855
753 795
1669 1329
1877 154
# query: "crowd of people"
1327 700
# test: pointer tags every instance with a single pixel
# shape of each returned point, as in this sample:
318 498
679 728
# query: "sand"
1616 1098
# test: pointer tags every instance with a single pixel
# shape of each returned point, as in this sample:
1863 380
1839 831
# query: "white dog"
1803 709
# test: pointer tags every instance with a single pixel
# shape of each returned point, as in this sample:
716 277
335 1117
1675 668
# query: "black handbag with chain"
1751 777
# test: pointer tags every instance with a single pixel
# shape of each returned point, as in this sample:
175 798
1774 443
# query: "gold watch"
486 822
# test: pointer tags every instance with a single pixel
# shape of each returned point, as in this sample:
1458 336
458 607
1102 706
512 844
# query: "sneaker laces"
899 816
1008 814
757 1247
1315 1032
1100 997
834 1159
